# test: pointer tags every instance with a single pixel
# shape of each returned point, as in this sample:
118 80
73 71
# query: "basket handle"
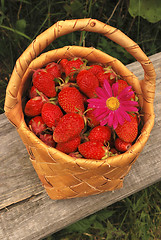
64 27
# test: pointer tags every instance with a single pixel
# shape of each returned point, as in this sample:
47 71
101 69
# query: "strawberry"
109 76
44 82
95 69
75 154
37 125
47 139
100 133
69 126
51 114
123 84
71 100
33 106
70 146
121 145
84 99
72 67
54 69
91 119
129 130
33 92
114 151
93 150
87 83
63 63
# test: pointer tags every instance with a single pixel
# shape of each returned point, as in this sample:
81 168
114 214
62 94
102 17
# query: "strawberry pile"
57 110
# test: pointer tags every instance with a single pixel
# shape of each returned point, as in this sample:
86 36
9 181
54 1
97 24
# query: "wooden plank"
26 212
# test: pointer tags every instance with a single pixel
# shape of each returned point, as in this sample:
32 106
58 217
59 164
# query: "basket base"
68 192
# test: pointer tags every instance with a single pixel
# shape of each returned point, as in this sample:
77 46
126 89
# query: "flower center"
112 103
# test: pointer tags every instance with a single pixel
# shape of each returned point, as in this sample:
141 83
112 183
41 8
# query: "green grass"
138 216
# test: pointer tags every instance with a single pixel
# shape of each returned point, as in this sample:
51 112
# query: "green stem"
138 30
90 7
15 31
2 5
41 26
82 38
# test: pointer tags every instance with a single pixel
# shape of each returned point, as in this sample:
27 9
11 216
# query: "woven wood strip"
62 175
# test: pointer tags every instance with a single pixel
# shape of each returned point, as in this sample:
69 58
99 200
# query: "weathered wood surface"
26 212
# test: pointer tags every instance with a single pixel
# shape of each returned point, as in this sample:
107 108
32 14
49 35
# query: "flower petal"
115 89
101 92
120 118
110 118
129 108
98 111
107 88
126 96
125 92
96 103
115 120
124 114
95 100
129 103
102 114
104 121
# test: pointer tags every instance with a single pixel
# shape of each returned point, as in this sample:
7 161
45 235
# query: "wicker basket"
64 176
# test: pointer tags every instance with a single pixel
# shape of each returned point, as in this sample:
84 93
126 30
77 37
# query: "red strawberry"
87 83
37 125
100 133
121 145
114 151
71 100
72 67
109 76
95 69
93 150
33 92
84 99
63 63
123 84
33 106
70 146
129 130
47 139
44 82
54 69
51 114
91 119
69 126
75 155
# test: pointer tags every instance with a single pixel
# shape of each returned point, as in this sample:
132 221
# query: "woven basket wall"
63 176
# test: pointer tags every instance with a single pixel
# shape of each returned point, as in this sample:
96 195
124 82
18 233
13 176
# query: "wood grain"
26 212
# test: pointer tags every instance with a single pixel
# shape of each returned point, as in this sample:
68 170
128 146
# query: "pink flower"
110 107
